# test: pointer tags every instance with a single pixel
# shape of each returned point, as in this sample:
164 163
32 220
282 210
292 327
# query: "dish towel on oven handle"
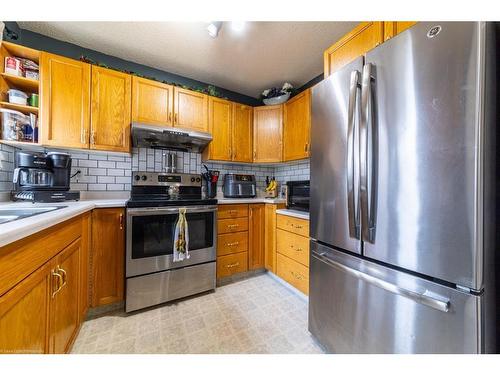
181 237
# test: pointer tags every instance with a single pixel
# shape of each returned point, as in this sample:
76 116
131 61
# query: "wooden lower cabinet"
108 255
256 239
293 272
232 225
231 243
64 309
292 251
228 265
42 312
24 315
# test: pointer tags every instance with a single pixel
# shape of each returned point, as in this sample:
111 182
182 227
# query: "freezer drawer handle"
436 302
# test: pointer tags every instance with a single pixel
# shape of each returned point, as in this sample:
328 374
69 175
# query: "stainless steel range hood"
169 138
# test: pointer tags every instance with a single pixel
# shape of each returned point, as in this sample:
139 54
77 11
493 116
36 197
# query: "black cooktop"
165 202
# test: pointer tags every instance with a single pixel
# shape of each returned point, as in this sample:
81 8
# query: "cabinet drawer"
294 273
293 246
293 224
231 264
228 211
231 243
232 225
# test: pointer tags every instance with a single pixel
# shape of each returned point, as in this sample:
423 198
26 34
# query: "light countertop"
294 213
18 229
250 200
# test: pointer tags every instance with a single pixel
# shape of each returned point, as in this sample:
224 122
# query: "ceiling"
262 55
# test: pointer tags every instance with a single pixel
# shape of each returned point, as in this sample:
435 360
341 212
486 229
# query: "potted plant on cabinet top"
276 95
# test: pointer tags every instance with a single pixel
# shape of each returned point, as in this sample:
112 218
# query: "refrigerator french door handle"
434 301
351 205
366 168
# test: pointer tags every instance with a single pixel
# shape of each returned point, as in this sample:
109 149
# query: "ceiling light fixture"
214 28
238 25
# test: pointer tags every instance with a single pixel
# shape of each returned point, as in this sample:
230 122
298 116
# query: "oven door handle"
168 210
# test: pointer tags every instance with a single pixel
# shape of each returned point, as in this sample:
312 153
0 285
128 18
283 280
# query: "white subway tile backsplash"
112 171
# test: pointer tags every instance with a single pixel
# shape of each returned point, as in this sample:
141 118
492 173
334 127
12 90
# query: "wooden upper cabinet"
65 312
267 134
393 28
297 127
242 133
256 236
108 255
152 102
191 109
366 36
110 116
65 101
220 121
24 315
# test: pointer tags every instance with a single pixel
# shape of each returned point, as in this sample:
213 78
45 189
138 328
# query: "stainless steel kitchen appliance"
239 186
42 177
403 198
152 277
298 195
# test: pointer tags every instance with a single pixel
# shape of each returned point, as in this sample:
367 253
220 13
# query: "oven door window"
154 235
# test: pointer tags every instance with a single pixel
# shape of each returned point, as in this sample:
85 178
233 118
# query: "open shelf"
26 109
22 51
23 145
21 83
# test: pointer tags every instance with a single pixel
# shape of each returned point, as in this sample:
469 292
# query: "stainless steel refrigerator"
403 199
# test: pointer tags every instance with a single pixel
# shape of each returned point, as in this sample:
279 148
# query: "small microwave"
298 195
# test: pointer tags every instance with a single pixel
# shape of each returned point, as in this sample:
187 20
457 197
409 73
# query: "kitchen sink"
11 214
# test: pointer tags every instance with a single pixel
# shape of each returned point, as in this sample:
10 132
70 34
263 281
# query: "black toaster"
239 186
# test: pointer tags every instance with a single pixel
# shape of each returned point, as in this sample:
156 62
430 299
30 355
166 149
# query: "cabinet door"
242 133
256 236
393 28
65 101
220 124
64 307
297 126
108 255
191 110
152 102
110 115
84 265
24 314
267 134
366 36
270 236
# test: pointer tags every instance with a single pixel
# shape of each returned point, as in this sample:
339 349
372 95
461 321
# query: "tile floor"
256 315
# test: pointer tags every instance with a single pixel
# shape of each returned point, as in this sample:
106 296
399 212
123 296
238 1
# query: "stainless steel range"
152 213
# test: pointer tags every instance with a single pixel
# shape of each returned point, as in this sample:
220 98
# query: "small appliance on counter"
210 177
298 196
239 186
42 177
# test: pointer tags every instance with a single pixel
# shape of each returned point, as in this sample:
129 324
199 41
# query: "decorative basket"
277 99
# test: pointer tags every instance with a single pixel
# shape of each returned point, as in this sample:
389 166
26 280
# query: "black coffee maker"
43 177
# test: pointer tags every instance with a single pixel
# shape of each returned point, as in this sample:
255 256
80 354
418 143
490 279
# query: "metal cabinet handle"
170 117
121 221
233 265
59 282
92 136
296 249
352 211
232 243
64 277
298 276
231 226
233 211
175 118
436 302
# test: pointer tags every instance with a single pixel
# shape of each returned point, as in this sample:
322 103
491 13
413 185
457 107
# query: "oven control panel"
165 179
